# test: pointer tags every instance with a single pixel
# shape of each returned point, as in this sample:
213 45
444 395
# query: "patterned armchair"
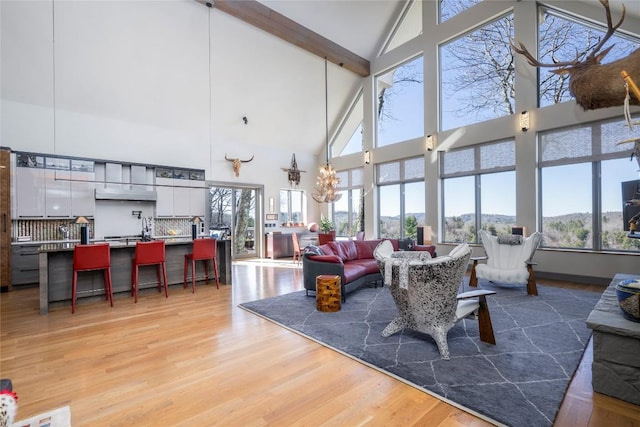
425 291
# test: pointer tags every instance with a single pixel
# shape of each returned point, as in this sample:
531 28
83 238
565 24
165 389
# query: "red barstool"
203 250
149 253
92 257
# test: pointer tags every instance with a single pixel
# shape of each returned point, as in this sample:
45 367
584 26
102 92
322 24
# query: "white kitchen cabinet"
83 201
198 200
181 198
164 200
30 186
54 187
58 188
177 196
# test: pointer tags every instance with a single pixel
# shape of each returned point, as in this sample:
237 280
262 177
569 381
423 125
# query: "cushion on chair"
337 249
326 249
350 250
353 271
370 265
312 249
503 275
325 258
365 248
383 250
459 250
509 239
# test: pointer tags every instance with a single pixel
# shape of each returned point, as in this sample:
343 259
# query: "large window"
348 215
348 139
400 108
477 75
450 8
581 171
401 198
564 39
293 207
478 185
232 215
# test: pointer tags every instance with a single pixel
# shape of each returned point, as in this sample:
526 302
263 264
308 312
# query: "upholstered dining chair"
425 291
96 256
149 253
509 260
297 253
203 250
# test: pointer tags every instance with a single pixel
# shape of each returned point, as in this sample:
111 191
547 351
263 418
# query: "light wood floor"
199 360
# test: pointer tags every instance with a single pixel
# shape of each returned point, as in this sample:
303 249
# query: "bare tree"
478 68
404 77
575 54
220 205
244 205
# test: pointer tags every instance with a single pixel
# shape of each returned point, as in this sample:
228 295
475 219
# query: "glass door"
234 216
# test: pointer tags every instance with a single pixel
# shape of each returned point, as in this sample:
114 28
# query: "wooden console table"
616 347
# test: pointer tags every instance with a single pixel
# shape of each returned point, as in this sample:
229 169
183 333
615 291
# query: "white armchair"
509 260
425 292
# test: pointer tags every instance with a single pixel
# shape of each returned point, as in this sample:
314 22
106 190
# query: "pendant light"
326 190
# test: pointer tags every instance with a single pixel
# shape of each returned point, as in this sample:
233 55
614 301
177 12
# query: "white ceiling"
356 25
280 87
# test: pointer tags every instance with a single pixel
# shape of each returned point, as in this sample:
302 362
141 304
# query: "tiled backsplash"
172 226
38 230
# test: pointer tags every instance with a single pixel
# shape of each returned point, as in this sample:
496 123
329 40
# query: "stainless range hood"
128 182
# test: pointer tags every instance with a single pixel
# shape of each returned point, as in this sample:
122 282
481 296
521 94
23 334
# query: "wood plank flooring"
199 360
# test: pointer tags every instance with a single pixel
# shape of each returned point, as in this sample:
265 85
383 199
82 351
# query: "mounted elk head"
237 163
592 84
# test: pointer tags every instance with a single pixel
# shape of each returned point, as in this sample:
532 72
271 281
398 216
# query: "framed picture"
272 217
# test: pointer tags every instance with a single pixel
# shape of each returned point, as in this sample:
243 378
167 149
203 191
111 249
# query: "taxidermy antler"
631 88
592 84
237 163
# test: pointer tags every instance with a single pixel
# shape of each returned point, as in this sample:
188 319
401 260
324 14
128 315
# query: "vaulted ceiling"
279 86
270 65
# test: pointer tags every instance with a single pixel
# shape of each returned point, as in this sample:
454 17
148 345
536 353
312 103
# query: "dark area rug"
521 381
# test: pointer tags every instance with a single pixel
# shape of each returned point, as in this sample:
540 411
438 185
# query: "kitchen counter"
56 270
68 246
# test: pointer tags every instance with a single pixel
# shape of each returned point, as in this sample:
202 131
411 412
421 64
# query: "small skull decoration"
237 163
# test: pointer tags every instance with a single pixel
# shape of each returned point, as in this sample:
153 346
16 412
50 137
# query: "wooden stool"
328 294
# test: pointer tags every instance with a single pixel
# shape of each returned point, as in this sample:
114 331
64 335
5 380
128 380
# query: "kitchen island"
56 270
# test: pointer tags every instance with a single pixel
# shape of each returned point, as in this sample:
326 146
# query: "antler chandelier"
326 190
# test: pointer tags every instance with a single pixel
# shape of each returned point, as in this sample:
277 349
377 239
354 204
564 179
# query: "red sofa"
352 260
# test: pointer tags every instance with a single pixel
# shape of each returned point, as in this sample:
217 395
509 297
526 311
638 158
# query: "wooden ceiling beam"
269 20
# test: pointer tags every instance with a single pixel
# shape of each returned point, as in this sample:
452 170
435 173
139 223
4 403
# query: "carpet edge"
390 374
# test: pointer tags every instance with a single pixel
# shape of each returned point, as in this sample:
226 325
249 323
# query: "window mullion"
596 214
478 195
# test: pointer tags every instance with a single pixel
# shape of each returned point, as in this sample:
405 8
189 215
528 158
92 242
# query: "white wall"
139 82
